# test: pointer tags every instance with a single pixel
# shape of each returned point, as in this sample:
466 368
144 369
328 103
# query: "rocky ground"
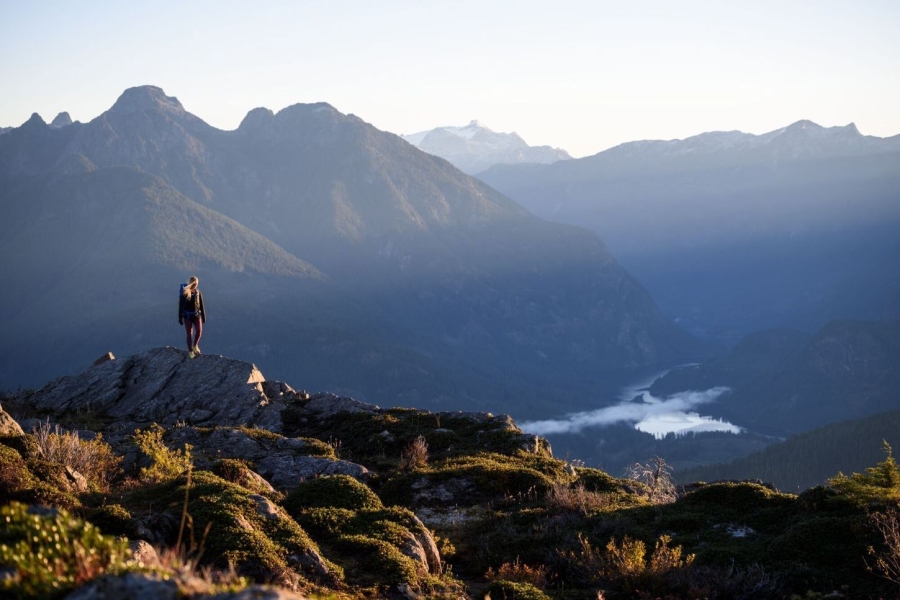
157 476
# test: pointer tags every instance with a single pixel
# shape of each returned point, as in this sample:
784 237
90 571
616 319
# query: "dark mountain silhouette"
733 232
811 458
796 382
352 258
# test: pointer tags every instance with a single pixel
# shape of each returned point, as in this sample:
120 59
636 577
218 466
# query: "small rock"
411 547
259 592
134 586
408 592
276 389
105 358
312 563
77 481
144 553
328 405
265 507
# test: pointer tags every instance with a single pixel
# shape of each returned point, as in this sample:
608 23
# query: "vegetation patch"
165 464
225 522
336 491
515 590
52 552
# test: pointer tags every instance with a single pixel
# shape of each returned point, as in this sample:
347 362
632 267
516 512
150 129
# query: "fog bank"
649 413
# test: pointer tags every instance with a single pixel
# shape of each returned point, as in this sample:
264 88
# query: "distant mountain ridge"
474 147
801 140
354 260
734 232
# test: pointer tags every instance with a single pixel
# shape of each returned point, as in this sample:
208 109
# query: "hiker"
191 314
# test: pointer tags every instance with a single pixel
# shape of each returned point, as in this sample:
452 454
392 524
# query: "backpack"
191 305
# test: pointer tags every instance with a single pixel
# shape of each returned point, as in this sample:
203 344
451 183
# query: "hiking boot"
197 350
191 354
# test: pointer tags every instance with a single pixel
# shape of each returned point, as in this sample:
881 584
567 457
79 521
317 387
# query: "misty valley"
454 327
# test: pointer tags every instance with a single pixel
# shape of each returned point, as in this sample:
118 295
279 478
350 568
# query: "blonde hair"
190 287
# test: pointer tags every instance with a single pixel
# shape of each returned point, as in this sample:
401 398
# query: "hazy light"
578 75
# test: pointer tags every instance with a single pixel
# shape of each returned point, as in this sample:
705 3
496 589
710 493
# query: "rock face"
164 386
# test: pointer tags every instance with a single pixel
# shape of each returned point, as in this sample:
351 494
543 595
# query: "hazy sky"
583 76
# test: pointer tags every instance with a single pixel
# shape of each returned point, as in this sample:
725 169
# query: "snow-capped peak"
475 147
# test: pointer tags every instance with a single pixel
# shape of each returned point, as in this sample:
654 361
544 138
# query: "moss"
367 542
515 590
316 447
238 534
14 473
260 434
34 481
595 480
336 491
238 472
377 439
25 445
486 476
113 519
370 561
737 499
53 552
324 522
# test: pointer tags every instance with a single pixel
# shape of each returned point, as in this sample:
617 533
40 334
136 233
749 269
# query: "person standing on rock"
192 315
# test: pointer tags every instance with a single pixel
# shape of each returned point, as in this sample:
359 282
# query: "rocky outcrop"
8 425
283 462
164 386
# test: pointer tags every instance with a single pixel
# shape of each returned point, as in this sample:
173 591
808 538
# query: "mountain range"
354 261
474 147
733 232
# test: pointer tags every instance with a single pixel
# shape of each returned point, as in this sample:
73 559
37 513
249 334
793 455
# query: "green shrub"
625 565
94 459
46 494
165 464
14 473
53 552
335 491
487 476
370 561
520 572
256 546
113 519
238 472
515 590
879 484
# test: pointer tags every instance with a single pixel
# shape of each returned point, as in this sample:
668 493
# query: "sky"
582 76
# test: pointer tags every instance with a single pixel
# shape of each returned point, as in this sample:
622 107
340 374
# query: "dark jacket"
194 304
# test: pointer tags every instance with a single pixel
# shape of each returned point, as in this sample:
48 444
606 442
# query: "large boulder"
165 386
